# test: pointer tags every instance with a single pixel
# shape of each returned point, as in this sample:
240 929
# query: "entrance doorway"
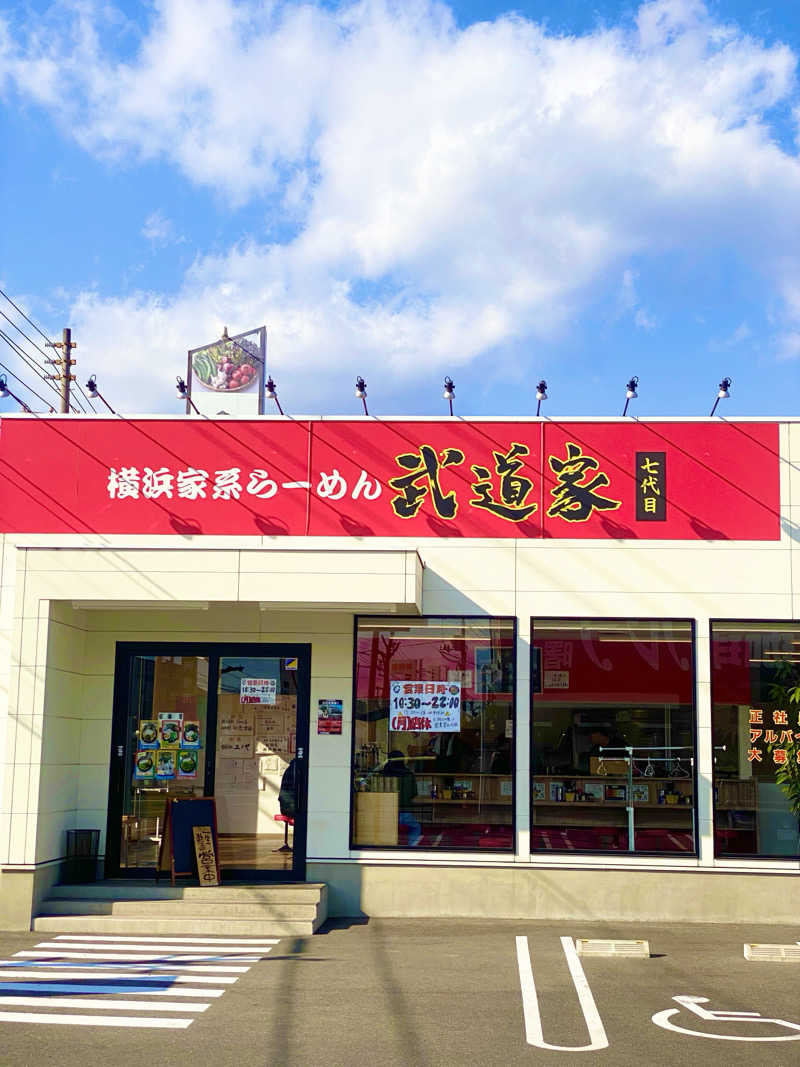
224 720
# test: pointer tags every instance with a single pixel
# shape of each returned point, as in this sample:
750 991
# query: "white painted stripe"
93 1020
264 941
139 971
97 1002
100 969
530 1002
169 950
63 986
142 957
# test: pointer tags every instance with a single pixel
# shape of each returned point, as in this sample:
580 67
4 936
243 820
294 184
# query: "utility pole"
66 344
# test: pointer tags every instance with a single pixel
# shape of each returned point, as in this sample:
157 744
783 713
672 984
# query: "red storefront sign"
444 478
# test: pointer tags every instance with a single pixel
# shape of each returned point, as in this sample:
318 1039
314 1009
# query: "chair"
287 822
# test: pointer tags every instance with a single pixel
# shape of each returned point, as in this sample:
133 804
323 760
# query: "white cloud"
788 345
741 334
158 229
628 302
456 190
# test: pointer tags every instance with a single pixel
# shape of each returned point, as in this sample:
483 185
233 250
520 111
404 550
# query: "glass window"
612 735
755 701
433 733
164 750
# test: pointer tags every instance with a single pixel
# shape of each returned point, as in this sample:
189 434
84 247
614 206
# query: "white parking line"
37 960
222 941
133 956
30 972
105 1005
88 987
530 1002
161 946
93 1020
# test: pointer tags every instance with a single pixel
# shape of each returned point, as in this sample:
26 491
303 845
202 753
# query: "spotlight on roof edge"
5 391
723 393
630 393
95 394
361 392
271 391
449 393
183 394
541 394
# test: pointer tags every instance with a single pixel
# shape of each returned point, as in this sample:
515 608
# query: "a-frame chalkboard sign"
177 843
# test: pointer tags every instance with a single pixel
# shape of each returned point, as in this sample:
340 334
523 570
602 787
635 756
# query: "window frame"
429 851
753 857
626 853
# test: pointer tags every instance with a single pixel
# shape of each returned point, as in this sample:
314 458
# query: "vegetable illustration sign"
228 374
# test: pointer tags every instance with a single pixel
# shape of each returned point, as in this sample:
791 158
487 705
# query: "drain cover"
596 947
772 953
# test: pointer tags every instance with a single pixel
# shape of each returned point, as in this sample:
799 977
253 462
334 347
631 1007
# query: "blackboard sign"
177 844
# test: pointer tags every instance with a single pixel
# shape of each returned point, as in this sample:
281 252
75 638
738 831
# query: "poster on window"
235 746
187 763
170 724
144 765
433 707
148 733
191 733
258 690
235 720
165 765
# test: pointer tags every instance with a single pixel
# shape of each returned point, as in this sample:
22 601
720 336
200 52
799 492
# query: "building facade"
447 667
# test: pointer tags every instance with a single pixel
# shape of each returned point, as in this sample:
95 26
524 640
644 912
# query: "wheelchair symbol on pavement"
693 1004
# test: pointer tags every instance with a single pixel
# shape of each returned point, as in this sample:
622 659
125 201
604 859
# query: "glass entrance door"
255 778
228 721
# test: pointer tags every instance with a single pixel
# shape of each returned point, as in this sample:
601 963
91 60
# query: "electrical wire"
20 330
24 356
25 385
17 350
47 339
30 321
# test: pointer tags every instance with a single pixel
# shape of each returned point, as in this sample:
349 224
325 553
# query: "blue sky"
580 191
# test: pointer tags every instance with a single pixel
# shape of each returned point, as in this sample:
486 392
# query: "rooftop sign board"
228 375
370 478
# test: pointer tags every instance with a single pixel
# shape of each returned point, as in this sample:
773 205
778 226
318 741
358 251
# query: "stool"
287 822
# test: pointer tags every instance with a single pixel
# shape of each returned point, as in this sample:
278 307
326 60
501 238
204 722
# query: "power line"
15 348
47 339
30 321
26 386
20 330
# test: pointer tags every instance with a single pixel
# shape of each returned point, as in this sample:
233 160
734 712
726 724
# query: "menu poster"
286 702
170 723
144 764
191 734
187 763
148 733
165 764
258 690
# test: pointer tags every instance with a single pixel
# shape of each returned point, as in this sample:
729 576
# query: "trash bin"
82 849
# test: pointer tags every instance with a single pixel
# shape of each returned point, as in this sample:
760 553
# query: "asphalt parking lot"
410 992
